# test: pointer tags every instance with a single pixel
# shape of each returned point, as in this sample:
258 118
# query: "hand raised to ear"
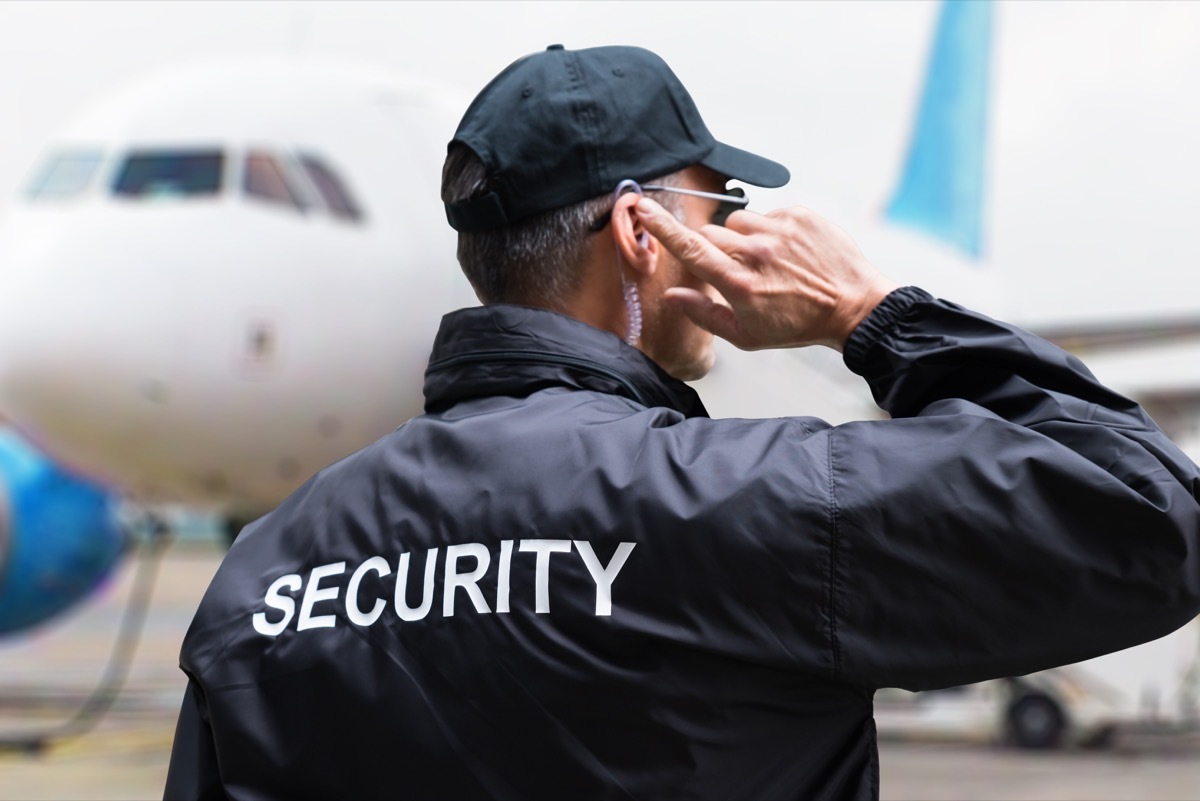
790 277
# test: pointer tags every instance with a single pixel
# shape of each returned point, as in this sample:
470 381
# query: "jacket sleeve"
1014 515
193 770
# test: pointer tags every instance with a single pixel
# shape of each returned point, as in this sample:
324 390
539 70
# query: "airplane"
228 277
208 295
219 283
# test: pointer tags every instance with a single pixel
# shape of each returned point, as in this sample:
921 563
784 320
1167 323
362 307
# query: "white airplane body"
218 337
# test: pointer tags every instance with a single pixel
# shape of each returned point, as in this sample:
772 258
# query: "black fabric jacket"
646 602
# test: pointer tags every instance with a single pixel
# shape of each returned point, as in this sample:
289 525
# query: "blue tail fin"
941 190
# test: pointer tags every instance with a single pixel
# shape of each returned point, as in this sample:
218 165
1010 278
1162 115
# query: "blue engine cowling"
59 536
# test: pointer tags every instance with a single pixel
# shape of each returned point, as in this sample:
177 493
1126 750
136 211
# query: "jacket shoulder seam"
834 537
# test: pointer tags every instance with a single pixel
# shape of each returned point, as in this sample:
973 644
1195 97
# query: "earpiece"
633 304
632 186
633 314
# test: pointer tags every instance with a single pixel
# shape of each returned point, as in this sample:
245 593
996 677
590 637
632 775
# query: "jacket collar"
517 350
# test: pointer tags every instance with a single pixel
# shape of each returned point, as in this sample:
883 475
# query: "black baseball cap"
562 126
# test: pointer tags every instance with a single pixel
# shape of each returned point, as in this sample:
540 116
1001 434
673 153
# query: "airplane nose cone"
82 318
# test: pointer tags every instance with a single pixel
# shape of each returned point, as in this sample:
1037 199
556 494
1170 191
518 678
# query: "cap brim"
745 166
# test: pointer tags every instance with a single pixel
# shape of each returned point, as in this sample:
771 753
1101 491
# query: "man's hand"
790 278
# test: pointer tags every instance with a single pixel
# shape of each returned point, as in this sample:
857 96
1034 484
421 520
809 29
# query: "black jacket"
645 602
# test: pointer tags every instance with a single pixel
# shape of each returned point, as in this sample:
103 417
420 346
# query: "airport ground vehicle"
1150 689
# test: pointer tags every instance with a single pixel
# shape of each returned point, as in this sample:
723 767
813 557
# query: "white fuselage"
218 348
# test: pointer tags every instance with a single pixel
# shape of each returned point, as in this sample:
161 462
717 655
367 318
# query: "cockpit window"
266 179
332 190
170 173
64 175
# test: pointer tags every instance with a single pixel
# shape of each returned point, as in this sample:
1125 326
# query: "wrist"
880 323
863 306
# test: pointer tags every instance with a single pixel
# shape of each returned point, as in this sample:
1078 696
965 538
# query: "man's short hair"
536 260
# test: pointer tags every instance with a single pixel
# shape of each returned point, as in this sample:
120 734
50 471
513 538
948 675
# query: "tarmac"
45 677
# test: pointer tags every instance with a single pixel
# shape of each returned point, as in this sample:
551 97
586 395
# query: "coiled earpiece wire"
633 304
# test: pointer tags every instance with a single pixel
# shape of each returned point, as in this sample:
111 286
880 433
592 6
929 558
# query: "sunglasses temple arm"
740 201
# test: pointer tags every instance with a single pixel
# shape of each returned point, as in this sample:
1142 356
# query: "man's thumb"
706 313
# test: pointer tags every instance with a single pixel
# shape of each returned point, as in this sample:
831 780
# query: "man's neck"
599 301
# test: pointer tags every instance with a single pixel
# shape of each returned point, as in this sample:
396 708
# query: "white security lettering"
313 593
283 603
543 549
467 581
280 596
403 610
356 615
502 578
603 576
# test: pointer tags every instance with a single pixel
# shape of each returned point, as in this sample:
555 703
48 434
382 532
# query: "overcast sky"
1093 197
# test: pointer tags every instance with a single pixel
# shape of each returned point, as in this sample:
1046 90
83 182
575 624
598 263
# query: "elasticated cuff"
880 323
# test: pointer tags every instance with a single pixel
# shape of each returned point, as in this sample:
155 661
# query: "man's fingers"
745 221
728 242
698 255
708 314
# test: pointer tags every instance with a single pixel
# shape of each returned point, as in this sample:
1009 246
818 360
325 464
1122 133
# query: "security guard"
565 580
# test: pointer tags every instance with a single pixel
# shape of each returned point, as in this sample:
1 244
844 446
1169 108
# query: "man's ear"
634 244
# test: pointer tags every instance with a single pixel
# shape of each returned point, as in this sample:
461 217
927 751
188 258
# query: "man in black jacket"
566 580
